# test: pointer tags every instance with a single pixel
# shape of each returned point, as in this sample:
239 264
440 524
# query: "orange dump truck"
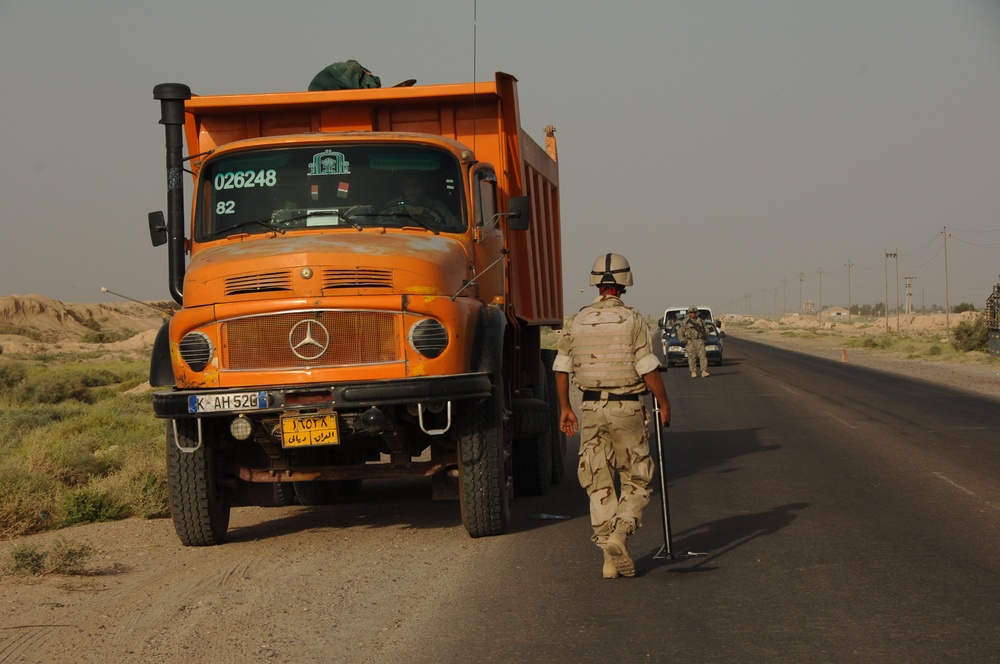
362 287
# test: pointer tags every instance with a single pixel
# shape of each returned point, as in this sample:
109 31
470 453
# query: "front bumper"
178 404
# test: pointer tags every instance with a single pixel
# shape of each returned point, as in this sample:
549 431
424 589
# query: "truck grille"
362 277
258 283
311 339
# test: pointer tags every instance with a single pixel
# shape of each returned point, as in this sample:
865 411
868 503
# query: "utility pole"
819 309
947 306
802 277
784 293
908 281
776 303
763 303
849 264
896 256
888 255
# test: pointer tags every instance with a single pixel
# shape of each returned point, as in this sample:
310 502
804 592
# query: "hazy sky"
724 147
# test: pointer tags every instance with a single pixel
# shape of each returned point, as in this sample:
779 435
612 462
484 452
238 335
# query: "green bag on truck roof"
348 75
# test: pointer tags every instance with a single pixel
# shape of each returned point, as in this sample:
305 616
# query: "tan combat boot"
694 374
704 374
615 546
610 571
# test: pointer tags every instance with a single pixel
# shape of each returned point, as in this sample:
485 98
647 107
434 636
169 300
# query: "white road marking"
954 484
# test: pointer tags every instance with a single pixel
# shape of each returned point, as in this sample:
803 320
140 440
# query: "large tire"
483 468
556 437
200 499
283 493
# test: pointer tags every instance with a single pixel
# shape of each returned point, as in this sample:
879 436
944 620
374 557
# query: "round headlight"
428 337
197 350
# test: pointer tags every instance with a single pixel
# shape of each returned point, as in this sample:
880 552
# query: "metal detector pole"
667 550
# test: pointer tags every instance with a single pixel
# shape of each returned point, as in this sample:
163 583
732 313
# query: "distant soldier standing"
694 332
608 350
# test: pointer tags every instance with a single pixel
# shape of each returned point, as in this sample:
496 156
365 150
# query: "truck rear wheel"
199 498
483 468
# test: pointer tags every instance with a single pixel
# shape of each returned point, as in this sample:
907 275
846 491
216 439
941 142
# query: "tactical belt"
595 395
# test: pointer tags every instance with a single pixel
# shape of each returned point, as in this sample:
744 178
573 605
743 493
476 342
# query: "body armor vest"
603 356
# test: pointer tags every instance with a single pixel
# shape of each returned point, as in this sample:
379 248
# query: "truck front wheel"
199 498
484 466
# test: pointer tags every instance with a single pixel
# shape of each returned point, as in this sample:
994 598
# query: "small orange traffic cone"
845 355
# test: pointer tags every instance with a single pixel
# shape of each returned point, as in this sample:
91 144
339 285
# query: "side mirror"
519 217
157 228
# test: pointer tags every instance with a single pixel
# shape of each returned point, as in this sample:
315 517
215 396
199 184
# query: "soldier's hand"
568 422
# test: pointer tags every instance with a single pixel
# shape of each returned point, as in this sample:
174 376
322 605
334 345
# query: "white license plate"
236 401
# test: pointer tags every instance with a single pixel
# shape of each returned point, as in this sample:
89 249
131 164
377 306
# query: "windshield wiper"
258 222
407 215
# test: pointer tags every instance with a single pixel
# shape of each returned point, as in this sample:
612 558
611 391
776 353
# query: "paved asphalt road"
847 516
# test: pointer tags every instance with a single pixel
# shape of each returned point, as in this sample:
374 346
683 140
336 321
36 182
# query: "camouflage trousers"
696 350
614 436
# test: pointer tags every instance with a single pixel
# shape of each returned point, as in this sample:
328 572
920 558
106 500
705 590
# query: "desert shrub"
91 324
17 423
53 386
25 558
11 375
101 337
935 350
87 506
21 331
880 342
60 462
971 335
63 557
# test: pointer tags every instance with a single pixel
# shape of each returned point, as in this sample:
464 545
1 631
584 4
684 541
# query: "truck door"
489 235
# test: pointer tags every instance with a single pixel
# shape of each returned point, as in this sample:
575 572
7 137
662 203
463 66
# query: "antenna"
475 33
168 312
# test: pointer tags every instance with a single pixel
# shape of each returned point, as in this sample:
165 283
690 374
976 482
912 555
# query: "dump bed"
483 116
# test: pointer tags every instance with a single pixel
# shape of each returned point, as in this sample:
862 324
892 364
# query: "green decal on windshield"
329 162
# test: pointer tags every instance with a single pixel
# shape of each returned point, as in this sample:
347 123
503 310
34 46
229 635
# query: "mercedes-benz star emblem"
308 339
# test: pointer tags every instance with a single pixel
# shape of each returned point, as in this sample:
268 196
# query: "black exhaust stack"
172 97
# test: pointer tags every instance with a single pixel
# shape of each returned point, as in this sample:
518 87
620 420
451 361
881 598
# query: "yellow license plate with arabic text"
309 430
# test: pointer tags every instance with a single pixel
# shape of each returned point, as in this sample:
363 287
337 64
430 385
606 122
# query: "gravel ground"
981 376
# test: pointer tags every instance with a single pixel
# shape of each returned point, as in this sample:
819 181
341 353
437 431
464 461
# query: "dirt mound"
46 320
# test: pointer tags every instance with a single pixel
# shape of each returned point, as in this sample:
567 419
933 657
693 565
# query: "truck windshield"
330 186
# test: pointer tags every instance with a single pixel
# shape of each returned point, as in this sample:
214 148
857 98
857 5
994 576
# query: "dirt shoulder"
974 372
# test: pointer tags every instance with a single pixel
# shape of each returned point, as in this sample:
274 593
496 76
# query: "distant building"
834 312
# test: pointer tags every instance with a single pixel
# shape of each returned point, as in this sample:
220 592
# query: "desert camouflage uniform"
694 332
607 348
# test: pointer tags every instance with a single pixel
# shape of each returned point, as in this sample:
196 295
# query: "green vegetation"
62 558
971 335
76 446
102 337
22 331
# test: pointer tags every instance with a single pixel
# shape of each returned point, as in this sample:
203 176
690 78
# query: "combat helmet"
611 269
692 310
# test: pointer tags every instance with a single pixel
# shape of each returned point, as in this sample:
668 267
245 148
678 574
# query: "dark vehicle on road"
673 345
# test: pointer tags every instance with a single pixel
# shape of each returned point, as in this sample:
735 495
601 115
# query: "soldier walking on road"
608 350
694 332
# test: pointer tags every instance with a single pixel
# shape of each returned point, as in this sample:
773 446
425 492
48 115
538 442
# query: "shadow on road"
692 452
717 538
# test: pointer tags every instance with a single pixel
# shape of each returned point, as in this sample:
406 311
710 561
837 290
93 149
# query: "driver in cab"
417 202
